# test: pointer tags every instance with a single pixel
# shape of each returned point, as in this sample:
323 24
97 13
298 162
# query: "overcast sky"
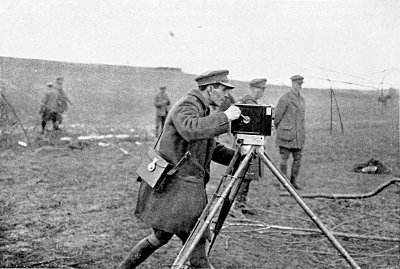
348 41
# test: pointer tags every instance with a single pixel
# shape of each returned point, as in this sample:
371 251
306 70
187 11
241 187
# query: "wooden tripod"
224 196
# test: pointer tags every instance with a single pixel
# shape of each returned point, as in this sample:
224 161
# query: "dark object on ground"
371 167
78 145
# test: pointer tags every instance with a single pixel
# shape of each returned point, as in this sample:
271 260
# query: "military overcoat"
188 127
161 102
290 120
51 101
62 100
248 99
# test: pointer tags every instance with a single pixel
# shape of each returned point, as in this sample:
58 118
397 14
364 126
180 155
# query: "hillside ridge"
113 94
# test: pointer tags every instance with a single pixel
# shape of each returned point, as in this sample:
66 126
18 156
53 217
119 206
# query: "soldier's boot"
236 210
241 202
248 210
43 124
294 174
138 254
242 193
283 168
198 258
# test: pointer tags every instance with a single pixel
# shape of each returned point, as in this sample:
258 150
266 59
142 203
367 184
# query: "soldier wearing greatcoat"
290 128
50 108
255 171
162 104
189 127
54 104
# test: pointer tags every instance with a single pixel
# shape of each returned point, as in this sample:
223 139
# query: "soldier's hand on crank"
233 112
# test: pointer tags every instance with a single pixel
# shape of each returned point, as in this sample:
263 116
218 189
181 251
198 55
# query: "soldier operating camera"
175 209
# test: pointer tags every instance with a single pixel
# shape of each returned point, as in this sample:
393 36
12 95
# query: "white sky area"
355 42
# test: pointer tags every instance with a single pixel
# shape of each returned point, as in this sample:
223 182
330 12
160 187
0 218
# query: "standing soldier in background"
50 110
162 103
54 104
255 171
290 126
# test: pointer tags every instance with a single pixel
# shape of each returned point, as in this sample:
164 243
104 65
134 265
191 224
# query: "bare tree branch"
347 196
261 228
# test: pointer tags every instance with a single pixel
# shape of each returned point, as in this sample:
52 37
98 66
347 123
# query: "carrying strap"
179 164
181 161
158 139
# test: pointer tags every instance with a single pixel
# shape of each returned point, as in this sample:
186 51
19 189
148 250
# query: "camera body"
255 120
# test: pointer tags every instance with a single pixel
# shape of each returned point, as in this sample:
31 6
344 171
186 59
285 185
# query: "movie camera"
254 124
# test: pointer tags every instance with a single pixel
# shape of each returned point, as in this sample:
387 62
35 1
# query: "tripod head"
245 139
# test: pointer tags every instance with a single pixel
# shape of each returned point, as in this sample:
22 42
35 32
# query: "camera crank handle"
246 119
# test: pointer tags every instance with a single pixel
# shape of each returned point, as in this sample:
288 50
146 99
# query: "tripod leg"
208 213
267 160
226 207
227 204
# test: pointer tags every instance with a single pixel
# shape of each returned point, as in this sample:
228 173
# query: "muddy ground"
66 207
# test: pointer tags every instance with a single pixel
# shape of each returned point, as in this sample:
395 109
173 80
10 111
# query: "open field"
62 207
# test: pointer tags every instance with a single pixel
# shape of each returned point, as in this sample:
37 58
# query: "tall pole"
10 106
16 116
331 91
337 106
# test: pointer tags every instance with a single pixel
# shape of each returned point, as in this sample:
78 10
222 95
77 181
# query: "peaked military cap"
49 84
163 88
259 83
216 76
296 77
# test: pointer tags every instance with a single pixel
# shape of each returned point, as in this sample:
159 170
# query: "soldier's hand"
233 113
